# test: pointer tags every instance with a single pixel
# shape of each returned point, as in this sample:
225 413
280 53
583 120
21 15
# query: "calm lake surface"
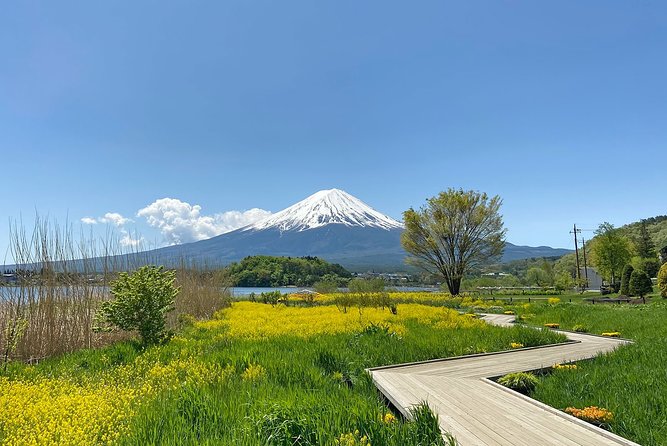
245 291
7 292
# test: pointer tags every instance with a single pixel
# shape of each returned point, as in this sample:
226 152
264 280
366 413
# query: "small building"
8 278
594 279
495 275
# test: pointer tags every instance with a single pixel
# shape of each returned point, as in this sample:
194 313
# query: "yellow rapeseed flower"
388 418
254 372
257 321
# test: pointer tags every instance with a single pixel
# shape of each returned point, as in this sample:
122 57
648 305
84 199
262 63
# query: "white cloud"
128 241
180 222
113 218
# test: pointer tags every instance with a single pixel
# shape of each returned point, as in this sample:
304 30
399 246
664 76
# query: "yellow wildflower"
254 372
388 418
592 414
565 366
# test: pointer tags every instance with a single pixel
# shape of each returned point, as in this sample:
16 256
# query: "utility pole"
576 251
583 247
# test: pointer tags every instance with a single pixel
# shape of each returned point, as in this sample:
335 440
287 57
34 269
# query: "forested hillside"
657 228
284 271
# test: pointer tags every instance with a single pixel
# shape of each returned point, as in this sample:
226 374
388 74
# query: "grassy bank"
255 374
631 382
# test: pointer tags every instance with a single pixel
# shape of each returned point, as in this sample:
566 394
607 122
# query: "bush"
325 286
271 297
640 284
141 302
523 382
662 280
625 280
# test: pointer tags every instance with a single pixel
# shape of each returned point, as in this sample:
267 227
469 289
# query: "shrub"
640 283
271 297
553 300
523 382
141 301
625 280
662 280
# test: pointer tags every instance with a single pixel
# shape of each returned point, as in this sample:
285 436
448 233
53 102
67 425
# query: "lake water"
7 293
246 291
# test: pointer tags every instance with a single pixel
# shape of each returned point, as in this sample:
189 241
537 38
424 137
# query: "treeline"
259 271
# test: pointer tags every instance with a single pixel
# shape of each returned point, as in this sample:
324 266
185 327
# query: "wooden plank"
477 412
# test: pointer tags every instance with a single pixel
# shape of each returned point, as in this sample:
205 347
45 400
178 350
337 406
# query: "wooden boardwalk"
478 411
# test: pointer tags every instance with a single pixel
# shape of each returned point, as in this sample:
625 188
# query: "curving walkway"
478 411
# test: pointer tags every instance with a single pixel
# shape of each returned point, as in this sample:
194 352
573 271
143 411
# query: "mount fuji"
330 224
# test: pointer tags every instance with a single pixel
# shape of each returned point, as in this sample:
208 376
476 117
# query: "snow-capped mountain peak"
332 206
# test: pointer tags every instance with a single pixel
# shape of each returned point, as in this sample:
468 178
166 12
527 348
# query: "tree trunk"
454 286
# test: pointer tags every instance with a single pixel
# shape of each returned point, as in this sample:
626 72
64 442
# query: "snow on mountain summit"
326 207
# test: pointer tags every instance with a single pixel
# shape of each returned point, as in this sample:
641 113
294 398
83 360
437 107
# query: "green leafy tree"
360 286
538 276
625 280
640 284
564 281
662 280
325 286
453 233
610 251
566 264
141 301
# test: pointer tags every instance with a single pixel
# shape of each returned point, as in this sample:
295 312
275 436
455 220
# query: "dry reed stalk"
61 282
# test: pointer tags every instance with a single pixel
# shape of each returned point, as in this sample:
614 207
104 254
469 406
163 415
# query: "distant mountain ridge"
330 224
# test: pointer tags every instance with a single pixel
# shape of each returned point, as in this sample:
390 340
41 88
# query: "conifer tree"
625 280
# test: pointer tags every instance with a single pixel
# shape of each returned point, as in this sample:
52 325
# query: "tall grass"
61 279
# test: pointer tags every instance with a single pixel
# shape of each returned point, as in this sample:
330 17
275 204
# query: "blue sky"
105 107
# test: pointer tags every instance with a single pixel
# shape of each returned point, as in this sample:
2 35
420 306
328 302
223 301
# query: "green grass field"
264 375
257 375
631 382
